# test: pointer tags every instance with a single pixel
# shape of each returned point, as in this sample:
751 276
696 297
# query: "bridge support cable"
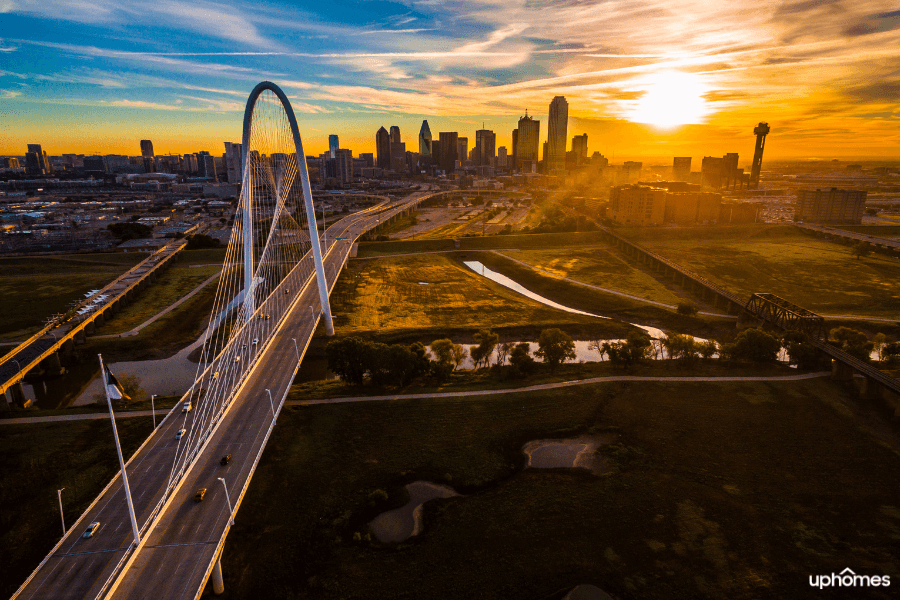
273 252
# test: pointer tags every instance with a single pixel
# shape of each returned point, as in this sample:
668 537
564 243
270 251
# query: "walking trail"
530 388
162 313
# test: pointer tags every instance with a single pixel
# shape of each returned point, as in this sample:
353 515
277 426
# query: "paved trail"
530 388
162 313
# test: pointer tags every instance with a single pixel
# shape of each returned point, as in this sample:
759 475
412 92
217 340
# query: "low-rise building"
637 205
830 206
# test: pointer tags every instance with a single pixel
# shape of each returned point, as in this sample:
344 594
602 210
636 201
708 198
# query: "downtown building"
830 206
526 142
555 153
637 205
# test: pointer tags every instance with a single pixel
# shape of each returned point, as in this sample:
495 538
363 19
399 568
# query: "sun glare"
671 99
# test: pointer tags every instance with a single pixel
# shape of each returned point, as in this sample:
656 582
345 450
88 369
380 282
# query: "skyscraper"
343 164
425 143
37 164
462 148
681 168
333 145
206 165
233 162
449 149
398 151
556 133
527 143
579 148
761 131
383 149
501 157
485 144
147 149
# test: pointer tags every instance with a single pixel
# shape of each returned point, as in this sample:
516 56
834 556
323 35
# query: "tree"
707 348
755 345
202 241
503 351
686 308
890 353
520 358
878 342
555 346
680 346
487 341
853 342
347 358
129 231
862 249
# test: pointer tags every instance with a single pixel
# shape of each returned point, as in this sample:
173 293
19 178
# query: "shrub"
687 309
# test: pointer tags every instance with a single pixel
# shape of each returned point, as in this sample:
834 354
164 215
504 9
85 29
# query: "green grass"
490 242
34 288
596 266
162 338
175 283
385 296
822 276
40 459
206 256
717 491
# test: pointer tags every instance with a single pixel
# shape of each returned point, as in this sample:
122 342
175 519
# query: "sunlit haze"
641 78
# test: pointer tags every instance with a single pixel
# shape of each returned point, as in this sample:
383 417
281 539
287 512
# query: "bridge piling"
17 393
217 580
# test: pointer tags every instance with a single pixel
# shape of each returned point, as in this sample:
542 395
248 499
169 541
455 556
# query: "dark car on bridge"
198 497
225 460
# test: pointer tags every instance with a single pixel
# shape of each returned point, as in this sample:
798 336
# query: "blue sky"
643 77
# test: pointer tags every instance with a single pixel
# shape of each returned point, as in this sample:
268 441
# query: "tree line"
356 361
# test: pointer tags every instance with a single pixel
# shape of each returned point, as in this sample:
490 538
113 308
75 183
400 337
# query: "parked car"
225 460
89 532
180 434
198 497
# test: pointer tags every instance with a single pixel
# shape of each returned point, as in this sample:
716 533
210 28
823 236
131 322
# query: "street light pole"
153 408
61 517
272 404
228 500
297 348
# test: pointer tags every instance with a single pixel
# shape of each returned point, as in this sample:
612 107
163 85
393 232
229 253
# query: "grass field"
171 286
822 276
40 459
387 296
34 288
733 491
596 266
162 338
491 242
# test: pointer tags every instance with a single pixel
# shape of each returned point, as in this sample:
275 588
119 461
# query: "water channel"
173 376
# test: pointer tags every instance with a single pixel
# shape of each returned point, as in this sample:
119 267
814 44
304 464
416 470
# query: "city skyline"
666 80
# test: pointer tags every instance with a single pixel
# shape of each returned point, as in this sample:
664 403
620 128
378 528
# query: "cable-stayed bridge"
271 295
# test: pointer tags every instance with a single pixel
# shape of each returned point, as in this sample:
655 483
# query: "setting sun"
671 99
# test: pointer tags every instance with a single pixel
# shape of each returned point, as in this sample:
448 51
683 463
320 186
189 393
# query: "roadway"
27 355
84 568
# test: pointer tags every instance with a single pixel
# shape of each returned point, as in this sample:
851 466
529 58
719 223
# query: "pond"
404 522
577 453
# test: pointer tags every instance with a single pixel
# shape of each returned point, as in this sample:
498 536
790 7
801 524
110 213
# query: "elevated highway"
61 334
179 538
